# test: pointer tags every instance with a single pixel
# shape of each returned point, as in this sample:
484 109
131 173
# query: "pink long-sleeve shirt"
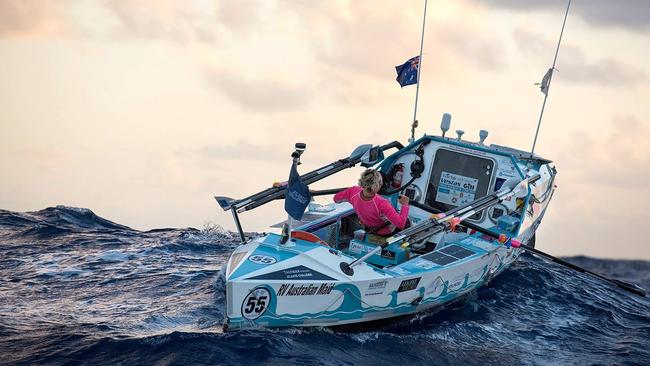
375 211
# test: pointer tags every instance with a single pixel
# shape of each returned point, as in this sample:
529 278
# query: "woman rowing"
374 211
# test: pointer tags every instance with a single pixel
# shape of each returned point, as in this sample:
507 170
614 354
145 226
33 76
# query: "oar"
271 194
515 243
462 212
624 285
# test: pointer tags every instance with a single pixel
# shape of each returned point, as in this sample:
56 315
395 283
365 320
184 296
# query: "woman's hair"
371 179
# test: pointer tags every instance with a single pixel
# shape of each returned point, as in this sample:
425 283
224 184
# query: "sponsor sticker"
255 303
375 293
377 285
376 288
262 259
294 273
357 248
408 285
387 254
456 189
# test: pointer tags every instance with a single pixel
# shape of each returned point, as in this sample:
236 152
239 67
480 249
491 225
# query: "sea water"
79 289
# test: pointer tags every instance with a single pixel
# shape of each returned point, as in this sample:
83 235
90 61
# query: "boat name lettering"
306 289
408 285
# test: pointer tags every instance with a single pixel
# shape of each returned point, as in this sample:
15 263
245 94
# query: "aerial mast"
417 90
546 81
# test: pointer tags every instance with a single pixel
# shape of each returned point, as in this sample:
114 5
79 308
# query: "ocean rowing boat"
473 206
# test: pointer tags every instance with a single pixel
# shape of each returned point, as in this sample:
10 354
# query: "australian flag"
407 74
297 197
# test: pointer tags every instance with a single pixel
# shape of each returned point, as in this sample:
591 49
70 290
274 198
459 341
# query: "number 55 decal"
255 303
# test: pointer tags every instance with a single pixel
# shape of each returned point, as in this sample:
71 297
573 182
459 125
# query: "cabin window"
457 179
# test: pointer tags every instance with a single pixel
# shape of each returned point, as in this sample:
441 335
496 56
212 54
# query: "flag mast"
417 90
546 81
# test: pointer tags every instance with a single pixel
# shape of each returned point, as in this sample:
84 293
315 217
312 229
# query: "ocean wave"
80 289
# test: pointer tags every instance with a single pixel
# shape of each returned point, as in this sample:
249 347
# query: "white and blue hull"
370 294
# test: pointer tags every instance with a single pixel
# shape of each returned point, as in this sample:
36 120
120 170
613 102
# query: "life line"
307 236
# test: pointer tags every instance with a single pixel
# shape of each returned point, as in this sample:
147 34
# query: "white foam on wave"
63 271
114 256
366 337
80 210
213 229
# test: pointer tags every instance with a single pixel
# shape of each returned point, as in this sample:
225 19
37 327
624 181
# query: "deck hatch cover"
457 251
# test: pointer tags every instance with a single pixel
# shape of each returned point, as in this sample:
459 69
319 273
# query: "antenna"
546 81
482 134
417 90
445 123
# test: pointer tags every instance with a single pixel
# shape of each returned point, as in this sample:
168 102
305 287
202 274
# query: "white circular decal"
262 259
255 303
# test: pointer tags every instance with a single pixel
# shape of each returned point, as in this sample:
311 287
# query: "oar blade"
224 202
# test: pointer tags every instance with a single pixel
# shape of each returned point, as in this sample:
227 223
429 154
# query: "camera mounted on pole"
300 148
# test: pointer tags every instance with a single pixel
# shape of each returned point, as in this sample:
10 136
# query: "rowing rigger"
367 155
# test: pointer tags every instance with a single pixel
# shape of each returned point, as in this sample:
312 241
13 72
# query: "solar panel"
457 251
440 259
448 254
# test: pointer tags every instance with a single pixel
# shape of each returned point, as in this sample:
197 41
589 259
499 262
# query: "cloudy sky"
143 110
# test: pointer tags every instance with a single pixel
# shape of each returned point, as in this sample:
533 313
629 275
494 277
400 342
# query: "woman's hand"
403 200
